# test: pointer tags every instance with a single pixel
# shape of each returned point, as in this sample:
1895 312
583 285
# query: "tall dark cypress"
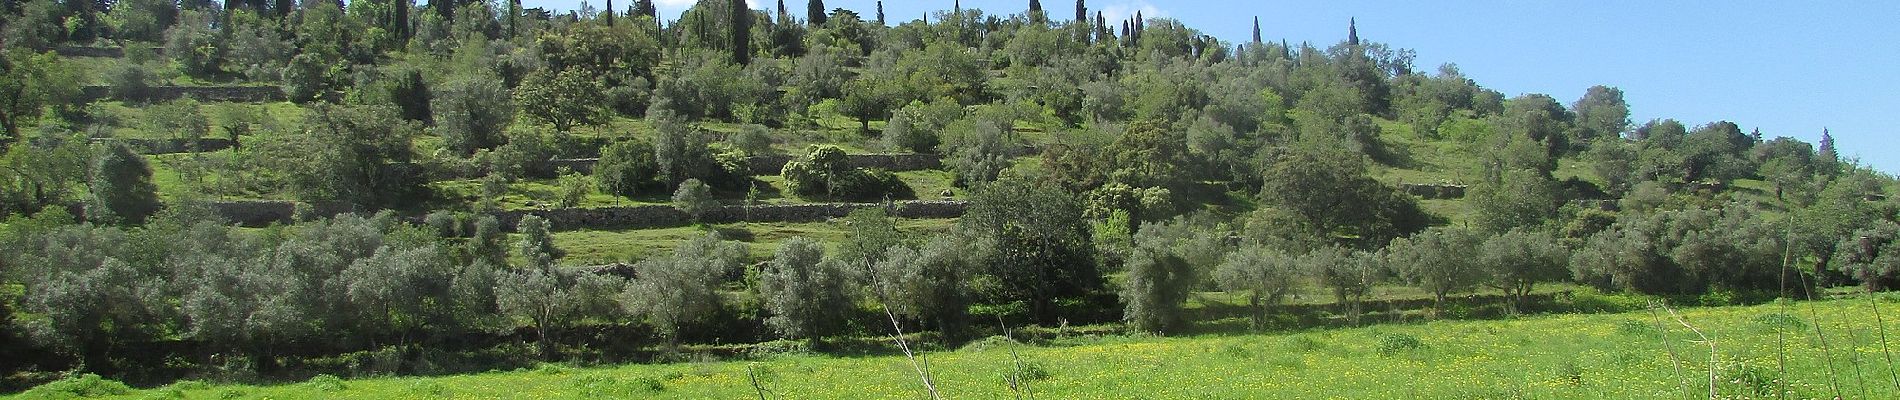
1352 32
645 8
609 16
1035 6
741 32
815 12
880 13
1081 11
514 14
1256 30
784 16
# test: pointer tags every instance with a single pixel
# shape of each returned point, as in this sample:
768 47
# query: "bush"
325 383
1395 343
81 386
823 172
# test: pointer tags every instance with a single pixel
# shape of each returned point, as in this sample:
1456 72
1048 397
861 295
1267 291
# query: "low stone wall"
171 146
1434 191
257 213
771 165
240 94
659 216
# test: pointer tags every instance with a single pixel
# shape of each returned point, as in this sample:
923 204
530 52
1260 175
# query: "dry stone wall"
238 94
771 165
1434 190
264 213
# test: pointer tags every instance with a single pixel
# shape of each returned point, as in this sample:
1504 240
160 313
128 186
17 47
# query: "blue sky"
1788 68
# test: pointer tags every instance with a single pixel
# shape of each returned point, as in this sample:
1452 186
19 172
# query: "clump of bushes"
78 386
823 172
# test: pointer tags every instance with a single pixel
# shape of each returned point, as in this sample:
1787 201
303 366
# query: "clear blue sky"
1789 68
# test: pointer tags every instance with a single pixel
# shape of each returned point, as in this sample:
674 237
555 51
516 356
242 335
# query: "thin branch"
922 368
1703 339
1674 359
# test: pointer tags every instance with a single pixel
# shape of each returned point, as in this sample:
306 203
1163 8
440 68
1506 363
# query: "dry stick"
1704 339
922 367
1853 352
1781 344
1674 360
1882 324
754 376
1017 384
1834 382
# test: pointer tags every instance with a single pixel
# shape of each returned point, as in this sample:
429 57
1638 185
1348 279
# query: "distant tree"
870 98
122 188
740 31
1439 260
670 293
1349 274
931 283
574 188
1324 192
1157 285
1038 244
679 149
1267 274
196 46
305 78
29 84
815 12
1520 198
549 301
804 294
1601 114
411 95
566 99
472 112
1517 260
695 199
626 166
488 243
536 245
351 156
91 310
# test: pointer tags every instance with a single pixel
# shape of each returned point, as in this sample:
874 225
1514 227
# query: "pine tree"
815 12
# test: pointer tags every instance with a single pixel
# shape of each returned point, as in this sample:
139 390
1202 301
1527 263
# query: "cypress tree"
122 188
783 15
815 12
609 16
1256 30
1081 11
880 13
401 19
1352 32
741 33
645 8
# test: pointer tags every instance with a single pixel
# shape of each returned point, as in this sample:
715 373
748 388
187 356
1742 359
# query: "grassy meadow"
1636 355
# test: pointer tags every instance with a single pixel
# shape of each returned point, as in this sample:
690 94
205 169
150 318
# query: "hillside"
273 190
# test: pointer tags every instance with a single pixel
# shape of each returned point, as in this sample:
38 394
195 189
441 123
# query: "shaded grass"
1561 357
586 247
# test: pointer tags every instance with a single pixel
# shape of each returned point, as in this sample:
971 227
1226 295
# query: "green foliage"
1519 198
1517 260
931 282
804 294
566 98
1157 284
1322 193
574 188
1035 243
536 244
824 171
694 198
199 50
1439 260
625 167
673 292
351 156
471 112
79 386
32 83
122 189
1266 273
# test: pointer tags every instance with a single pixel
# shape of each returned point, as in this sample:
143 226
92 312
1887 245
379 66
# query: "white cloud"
1123 10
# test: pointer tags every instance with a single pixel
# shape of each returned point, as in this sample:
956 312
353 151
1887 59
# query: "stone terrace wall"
659 216
241 94
771 165
264 213
1434 191
107 52
171 146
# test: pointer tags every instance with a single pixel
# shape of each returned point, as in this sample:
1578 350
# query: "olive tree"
1439 260
695 199
1266 273
804 294
673 292
1350 275
1517 260
122 188
930 283
1157 284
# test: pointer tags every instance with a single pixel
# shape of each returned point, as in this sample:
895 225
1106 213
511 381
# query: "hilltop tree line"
1116 169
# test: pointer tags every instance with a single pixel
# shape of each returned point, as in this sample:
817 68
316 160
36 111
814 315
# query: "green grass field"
587 247
1621 356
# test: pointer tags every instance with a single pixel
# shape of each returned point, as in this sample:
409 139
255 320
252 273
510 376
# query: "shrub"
1395 343
325 383
81 386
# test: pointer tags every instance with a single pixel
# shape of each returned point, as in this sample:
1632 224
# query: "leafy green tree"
805 295
30 83
1266 273
931 283
122 188
305 78
870 98
1323 192
1520 198
1038 246
351 155
1157 284
199 49
567 98
1518 260
472 112
1602 114
671 293
1350 274
1439 260
695 199
536 245
548 300
626 166
93 310
679 150
144 20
